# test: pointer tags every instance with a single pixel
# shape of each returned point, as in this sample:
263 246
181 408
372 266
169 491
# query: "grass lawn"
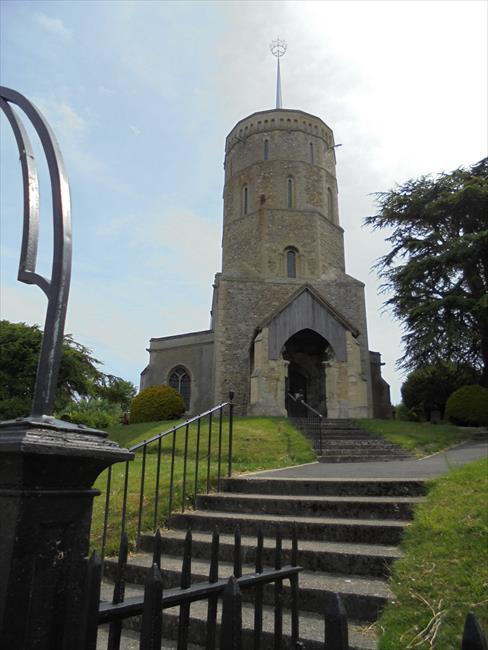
258 443
445 570
421 438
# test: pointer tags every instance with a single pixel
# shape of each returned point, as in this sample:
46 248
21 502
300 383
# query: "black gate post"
47 469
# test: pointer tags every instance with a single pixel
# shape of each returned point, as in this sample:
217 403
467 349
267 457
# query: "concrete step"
344 458
373 531
324 487
311 626
313 506
363 598
368 560
363 451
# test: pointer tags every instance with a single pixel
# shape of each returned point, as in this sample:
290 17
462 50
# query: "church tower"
286 318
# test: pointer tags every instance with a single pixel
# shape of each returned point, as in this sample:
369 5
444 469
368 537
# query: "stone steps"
349 559
361 636
362 597
342 441
324 486
314 506
371 531
347 530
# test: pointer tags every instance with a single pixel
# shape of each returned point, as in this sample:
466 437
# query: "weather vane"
278 49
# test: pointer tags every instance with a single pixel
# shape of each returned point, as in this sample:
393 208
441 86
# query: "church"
286 318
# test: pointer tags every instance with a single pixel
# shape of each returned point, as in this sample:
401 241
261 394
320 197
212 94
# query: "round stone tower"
280 198
287 319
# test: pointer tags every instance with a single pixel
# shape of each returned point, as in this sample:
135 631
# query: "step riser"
331 532
360 607
329 562
324 488
197 634
303 508
357 459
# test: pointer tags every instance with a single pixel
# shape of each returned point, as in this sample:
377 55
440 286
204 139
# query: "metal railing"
310 424
153 481
144 613
150 606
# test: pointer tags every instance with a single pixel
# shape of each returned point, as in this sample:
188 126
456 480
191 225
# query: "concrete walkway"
425 468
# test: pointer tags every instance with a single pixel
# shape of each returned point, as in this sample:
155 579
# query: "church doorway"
306 351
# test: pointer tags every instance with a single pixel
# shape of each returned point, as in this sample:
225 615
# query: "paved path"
429 467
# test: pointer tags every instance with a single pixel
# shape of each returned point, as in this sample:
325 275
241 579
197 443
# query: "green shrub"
468 406
427 389
405 414
15 407
92 412
156 403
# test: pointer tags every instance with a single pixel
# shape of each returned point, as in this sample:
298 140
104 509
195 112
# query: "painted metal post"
47 467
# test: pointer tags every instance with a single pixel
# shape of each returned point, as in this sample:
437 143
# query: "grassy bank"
258 443
421 438
445 570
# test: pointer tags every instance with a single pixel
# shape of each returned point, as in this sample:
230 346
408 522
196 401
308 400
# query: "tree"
437 269
427 389
115 390
78 375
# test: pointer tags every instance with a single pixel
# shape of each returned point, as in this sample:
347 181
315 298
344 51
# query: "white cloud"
134 129
54 26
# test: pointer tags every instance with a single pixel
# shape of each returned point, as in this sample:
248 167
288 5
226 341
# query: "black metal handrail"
203 453
312 425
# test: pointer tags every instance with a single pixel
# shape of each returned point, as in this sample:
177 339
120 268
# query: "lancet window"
179 379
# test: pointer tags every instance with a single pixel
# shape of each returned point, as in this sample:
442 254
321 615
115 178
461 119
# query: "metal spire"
278 49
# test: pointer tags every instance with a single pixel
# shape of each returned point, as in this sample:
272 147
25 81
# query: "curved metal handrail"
57 287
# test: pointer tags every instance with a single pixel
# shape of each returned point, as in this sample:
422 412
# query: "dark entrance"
306 351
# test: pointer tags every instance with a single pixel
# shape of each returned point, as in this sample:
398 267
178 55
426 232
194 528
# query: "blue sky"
141 96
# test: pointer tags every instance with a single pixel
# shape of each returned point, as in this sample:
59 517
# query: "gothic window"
311 152
289 193
291 262
180 380
266 149
245 199
330 204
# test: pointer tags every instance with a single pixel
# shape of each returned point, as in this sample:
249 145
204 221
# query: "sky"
141 95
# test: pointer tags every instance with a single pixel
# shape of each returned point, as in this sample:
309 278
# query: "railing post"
231 431
336 632
231 627
473 637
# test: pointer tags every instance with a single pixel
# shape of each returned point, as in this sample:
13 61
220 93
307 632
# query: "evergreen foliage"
468 406
156 403
78 376
437 269
427 389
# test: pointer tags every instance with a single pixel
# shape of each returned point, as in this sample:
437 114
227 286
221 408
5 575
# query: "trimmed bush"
468 406
156 403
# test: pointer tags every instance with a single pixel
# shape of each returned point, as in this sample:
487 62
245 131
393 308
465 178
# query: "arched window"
289 193
266 149
330 204
311 152
180 380
245 199
291 262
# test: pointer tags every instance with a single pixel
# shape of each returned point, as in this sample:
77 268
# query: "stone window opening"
245 199
266 149
180 380
289 193
330 204
311 153
291 254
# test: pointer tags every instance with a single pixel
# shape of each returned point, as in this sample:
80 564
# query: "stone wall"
195 352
